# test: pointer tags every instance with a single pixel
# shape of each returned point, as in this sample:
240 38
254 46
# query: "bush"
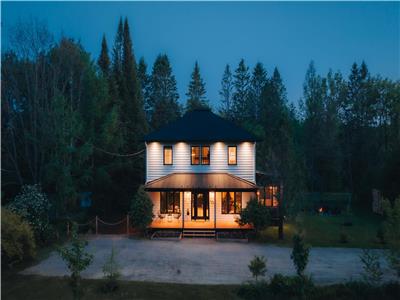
77 260
141 212
111 271
258 266
290 286
254 290
391 227
33 206
372 267
256 215
300 253
17 239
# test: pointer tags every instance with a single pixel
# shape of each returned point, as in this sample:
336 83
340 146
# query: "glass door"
200 205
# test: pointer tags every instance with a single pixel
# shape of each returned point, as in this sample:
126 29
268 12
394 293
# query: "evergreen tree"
258 81
132 110
196 91
117 55
241 107
104 60
225 93
163 93
145 85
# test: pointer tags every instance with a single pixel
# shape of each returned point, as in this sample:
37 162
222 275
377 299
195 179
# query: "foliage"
196 91
300 253
77 259
17 239
256 215
111 271
258 266
141 211
33 206
372 267
225 93
391 227
163 93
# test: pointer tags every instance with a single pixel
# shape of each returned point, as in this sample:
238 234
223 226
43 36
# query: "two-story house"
200 172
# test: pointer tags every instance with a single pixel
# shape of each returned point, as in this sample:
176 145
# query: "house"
201 172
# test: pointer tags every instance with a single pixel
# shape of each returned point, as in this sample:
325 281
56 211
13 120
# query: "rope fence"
98 226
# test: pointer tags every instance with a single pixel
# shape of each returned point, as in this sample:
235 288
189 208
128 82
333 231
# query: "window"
231 202
169 202
167 155
195 155
200 155
269 196
205 155
232 155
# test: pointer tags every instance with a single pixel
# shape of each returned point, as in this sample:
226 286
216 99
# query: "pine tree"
163 93
241 107
258 81
225 93
104 60
132 110
117 55
196 91
145 86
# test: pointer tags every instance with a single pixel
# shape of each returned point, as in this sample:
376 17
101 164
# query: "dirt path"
207 261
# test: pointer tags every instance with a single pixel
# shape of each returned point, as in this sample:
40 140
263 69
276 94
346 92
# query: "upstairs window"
232 155
200 155
205 155
167 155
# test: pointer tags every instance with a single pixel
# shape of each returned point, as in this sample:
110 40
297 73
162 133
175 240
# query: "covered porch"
199 201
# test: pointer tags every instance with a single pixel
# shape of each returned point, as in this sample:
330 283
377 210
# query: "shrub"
111 271
254 290
141 212
291 286
256 215
344 238
17 239
300 253
372 267
77 259
258 266
33 206
391 227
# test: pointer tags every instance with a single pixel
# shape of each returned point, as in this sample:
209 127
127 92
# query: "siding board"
245 167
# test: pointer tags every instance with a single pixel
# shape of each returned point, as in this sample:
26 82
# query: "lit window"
195 155
232 155
270 196
205 155
167 155
200 155
169 202
231 202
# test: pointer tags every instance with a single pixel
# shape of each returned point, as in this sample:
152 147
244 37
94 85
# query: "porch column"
183 210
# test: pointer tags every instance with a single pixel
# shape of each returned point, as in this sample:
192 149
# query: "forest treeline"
74 123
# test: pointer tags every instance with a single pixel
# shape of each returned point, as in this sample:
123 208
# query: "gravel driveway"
204 261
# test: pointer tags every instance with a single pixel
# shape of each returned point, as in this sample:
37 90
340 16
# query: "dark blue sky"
286 35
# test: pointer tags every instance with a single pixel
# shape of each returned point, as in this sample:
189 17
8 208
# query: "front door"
200 206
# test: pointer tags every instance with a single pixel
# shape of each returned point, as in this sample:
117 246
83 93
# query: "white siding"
245 167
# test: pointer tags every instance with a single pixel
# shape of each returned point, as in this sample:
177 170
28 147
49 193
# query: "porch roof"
206 181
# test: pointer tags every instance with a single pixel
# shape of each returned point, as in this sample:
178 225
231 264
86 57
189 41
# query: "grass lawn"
327 231
46 288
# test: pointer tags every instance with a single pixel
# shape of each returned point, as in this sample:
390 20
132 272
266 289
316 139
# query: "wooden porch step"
201 233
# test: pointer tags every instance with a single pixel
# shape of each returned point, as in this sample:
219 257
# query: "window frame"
200 155
165 206
235 210
232 146
172 155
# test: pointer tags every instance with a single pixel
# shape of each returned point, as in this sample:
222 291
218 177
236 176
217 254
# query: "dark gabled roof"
206 181
200 126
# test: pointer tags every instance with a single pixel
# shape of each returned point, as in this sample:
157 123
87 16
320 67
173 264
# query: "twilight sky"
286 35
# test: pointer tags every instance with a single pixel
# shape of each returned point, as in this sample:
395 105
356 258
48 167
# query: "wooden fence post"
67 229
127 224
96 226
